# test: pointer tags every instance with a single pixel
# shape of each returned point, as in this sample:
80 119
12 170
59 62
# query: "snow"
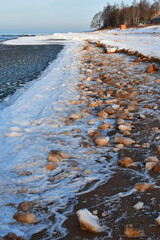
144 40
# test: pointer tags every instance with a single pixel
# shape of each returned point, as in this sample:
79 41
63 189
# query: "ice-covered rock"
88 221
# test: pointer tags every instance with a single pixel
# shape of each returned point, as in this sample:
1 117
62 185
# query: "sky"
49 16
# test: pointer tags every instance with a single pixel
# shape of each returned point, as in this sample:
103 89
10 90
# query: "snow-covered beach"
40 120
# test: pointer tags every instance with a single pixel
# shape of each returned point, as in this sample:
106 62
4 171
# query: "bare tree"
97 20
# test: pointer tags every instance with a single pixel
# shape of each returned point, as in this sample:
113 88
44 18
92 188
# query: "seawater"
21 64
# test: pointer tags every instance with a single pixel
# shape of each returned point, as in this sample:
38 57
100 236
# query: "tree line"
133 15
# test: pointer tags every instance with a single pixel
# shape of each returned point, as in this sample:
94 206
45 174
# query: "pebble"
24 206
138 205
126 162
101 141
142 187
25 217
130 231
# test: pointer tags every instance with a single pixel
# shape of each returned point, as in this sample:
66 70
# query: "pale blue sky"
48 16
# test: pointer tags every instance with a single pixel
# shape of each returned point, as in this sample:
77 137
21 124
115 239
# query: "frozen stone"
138 205
88 221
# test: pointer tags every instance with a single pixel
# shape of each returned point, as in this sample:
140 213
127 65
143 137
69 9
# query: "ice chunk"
88 221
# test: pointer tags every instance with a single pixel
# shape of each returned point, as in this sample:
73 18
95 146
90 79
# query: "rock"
126 162
103 114
24 206
119 121
151 159
104 126
157 168
123 140
56 156
91 121
25 217
88 221
101 141
51 166
124 128
93 104
152 68
138 205
75 116
74 102
145 145
132 232
158 150
109 110
120 146
10 236
141 187
158 220
150 165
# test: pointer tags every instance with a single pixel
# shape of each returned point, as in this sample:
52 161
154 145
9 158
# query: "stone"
119 121
88 221
138 205
103 114
74 102
151 159
142 187
101 141
130 231
93 104
158 150
10 236
91 122
56 156
150 165
24 206
51 166
157 168
158 220
75 116
124 128
25 217
152 68
126 162
104 126
119 146
123 140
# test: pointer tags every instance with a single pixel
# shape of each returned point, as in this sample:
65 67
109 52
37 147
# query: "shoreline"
96 88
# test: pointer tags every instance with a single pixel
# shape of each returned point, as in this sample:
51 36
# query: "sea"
21 64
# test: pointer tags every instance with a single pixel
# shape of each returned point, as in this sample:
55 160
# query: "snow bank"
144 40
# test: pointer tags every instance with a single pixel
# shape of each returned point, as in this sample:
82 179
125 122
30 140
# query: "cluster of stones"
117 100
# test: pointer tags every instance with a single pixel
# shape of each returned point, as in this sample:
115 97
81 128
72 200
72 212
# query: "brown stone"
104 126
141 187
25 217
24 206
57 156
103 114
10 236
101 141
126 162
152 68
157 168
131 232
123 140
51 166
